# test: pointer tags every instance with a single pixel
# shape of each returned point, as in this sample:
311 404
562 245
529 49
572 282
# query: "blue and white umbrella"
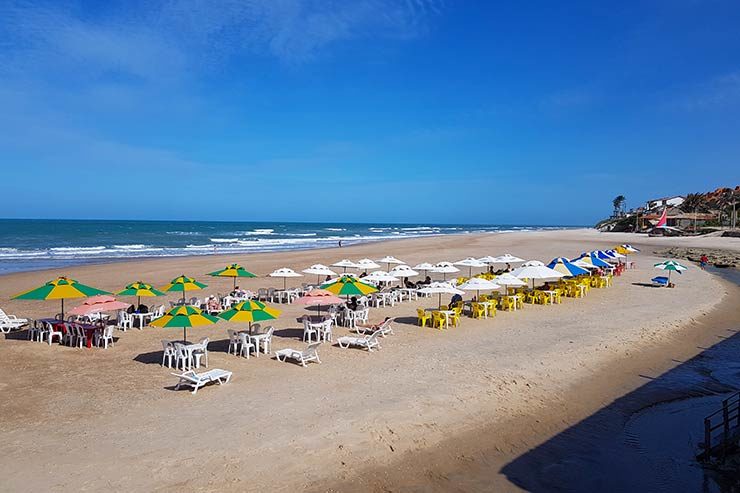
592 259
564 266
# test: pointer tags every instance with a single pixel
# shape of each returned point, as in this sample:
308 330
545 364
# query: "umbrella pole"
250 327
285 283
234 288
184 335
63 309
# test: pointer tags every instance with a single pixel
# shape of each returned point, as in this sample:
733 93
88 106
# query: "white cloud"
717 93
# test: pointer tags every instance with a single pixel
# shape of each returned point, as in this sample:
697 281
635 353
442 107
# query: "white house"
674 201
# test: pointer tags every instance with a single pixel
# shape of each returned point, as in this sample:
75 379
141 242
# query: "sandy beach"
413 416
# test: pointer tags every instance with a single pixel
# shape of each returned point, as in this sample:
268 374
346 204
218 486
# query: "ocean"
45 243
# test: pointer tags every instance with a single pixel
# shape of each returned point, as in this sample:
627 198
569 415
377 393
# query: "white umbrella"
536 272
509 281
366 264
285 273
508 258
444 268
532 263
615 254
440 288
403 271
344 263
478 284
319 270
471 262
424 267
379 276
390 260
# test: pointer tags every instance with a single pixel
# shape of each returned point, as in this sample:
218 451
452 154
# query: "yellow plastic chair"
478 310
507 304
422 317
455 317
484 297
491 309
438 320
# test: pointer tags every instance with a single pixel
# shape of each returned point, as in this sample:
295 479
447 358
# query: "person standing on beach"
703 261
340 243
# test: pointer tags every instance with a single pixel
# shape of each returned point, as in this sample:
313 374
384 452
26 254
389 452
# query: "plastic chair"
422 317
168 352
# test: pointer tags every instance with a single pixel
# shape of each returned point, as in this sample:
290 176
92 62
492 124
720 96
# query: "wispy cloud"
719 92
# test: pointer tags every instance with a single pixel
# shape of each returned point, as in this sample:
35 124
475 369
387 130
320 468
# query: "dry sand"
76 419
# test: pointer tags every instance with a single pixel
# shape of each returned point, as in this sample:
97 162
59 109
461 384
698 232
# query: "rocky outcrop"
718 258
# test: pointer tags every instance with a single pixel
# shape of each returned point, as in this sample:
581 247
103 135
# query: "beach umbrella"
319 270
509 281
402 271
532 263
488 260
536 272
591 259
615 254
444 268
345 263
471 262
285 273
602 255
367 264
628 248
388 259
564 266
318 297
184 316
670 266
61 288
140 289
250 311
424 267
478 284
99 303
182 284
440 288
349 286
583 264
508 258
380 276
234 271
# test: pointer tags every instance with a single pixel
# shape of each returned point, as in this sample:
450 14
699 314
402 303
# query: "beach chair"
10 322
309 354
439 321
198 380
478 310
168 352
660 281
422 317
50 333
105 335
368 342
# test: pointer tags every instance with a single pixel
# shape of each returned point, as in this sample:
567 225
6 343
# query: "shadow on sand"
646 440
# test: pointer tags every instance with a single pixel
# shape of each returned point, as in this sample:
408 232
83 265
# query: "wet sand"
78 419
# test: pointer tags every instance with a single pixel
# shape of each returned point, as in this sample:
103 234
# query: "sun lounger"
10 322
310 354
660 281
198 380
368 342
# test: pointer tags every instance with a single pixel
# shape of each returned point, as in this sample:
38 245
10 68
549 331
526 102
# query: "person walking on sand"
703 261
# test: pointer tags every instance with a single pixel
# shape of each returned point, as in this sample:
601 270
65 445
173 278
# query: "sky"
366 110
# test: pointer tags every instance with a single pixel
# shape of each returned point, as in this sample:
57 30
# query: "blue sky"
433 111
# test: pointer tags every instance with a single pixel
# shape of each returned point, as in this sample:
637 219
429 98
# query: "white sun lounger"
368 342
310 354
198 380
10 322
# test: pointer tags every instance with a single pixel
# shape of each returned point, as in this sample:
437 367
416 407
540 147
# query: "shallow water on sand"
646 440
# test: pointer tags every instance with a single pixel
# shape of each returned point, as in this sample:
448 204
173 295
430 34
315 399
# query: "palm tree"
618 204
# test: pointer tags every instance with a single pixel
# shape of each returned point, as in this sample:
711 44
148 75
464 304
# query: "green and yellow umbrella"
250 311
60 288
233 270
349 286
183 283
184 316
140 289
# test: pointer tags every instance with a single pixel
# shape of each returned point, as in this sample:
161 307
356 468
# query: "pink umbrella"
319 297
97 304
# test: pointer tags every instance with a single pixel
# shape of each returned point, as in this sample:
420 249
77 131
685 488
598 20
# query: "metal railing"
721 429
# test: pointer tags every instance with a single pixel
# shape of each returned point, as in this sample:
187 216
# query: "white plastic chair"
368 342
70 334
309 331
311 353
50 333
105 335
234 341
199 351
80 336
246 344
168 352
10 322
